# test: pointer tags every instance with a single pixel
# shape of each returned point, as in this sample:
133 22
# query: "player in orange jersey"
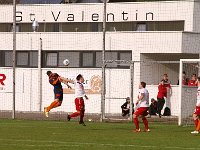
56 80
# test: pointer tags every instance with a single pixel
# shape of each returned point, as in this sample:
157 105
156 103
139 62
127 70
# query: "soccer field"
50 135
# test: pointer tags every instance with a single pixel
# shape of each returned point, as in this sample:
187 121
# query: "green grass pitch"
55 135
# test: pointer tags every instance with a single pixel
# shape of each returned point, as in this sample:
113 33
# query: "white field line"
36 145
78 144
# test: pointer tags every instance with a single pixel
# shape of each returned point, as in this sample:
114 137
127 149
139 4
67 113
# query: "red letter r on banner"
2 78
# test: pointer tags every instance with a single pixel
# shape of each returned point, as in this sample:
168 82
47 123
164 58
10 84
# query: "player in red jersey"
79 101
196 115
193 81
142 107
55 80
163 89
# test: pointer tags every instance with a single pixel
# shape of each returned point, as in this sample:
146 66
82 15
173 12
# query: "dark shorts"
59 96
79 102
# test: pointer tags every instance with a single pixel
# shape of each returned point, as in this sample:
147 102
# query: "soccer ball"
89 120
66 62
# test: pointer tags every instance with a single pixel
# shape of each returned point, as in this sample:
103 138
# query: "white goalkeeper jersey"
145 101
79 89
198 97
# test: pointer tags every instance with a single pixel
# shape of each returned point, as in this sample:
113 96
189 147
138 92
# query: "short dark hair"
165 75
184 72
198 78
143 84
48 73
79 77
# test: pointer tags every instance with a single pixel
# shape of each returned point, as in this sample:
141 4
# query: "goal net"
118 90
189 71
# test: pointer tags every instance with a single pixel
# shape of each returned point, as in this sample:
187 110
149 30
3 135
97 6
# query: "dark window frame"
141 23
1 58
23 66
29 64
79 53
45 53
3 63
30 59
94 59
118 58
121 52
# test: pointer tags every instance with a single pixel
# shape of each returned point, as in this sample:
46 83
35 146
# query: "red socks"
196 122
136 122
198 125
145 121
75 114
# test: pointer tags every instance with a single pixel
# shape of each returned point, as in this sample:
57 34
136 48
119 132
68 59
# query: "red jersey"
192 83
162 90
167 84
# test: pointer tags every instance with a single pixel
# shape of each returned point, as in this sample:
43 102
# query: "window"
22 59
125 56
73 57
51 59
94 27
50 27
39 1
111 56
33 59
78 59
1 59
17 28
8 59
88 59
141 27
108 56
98 59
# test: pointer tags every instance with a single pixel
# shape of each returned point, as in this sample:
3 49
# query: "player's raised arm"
66 81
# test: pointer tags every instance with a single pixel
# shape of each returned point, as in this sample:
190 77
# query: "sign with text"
2 81
92 85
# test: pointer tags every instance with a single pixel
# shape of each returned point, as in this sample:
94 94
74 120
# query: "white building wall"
191 43
117 87
196 18
138 42
162 11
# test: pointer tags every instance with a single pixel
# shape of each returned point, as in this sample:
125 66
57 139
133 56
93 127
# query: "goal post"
187 94
119 79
